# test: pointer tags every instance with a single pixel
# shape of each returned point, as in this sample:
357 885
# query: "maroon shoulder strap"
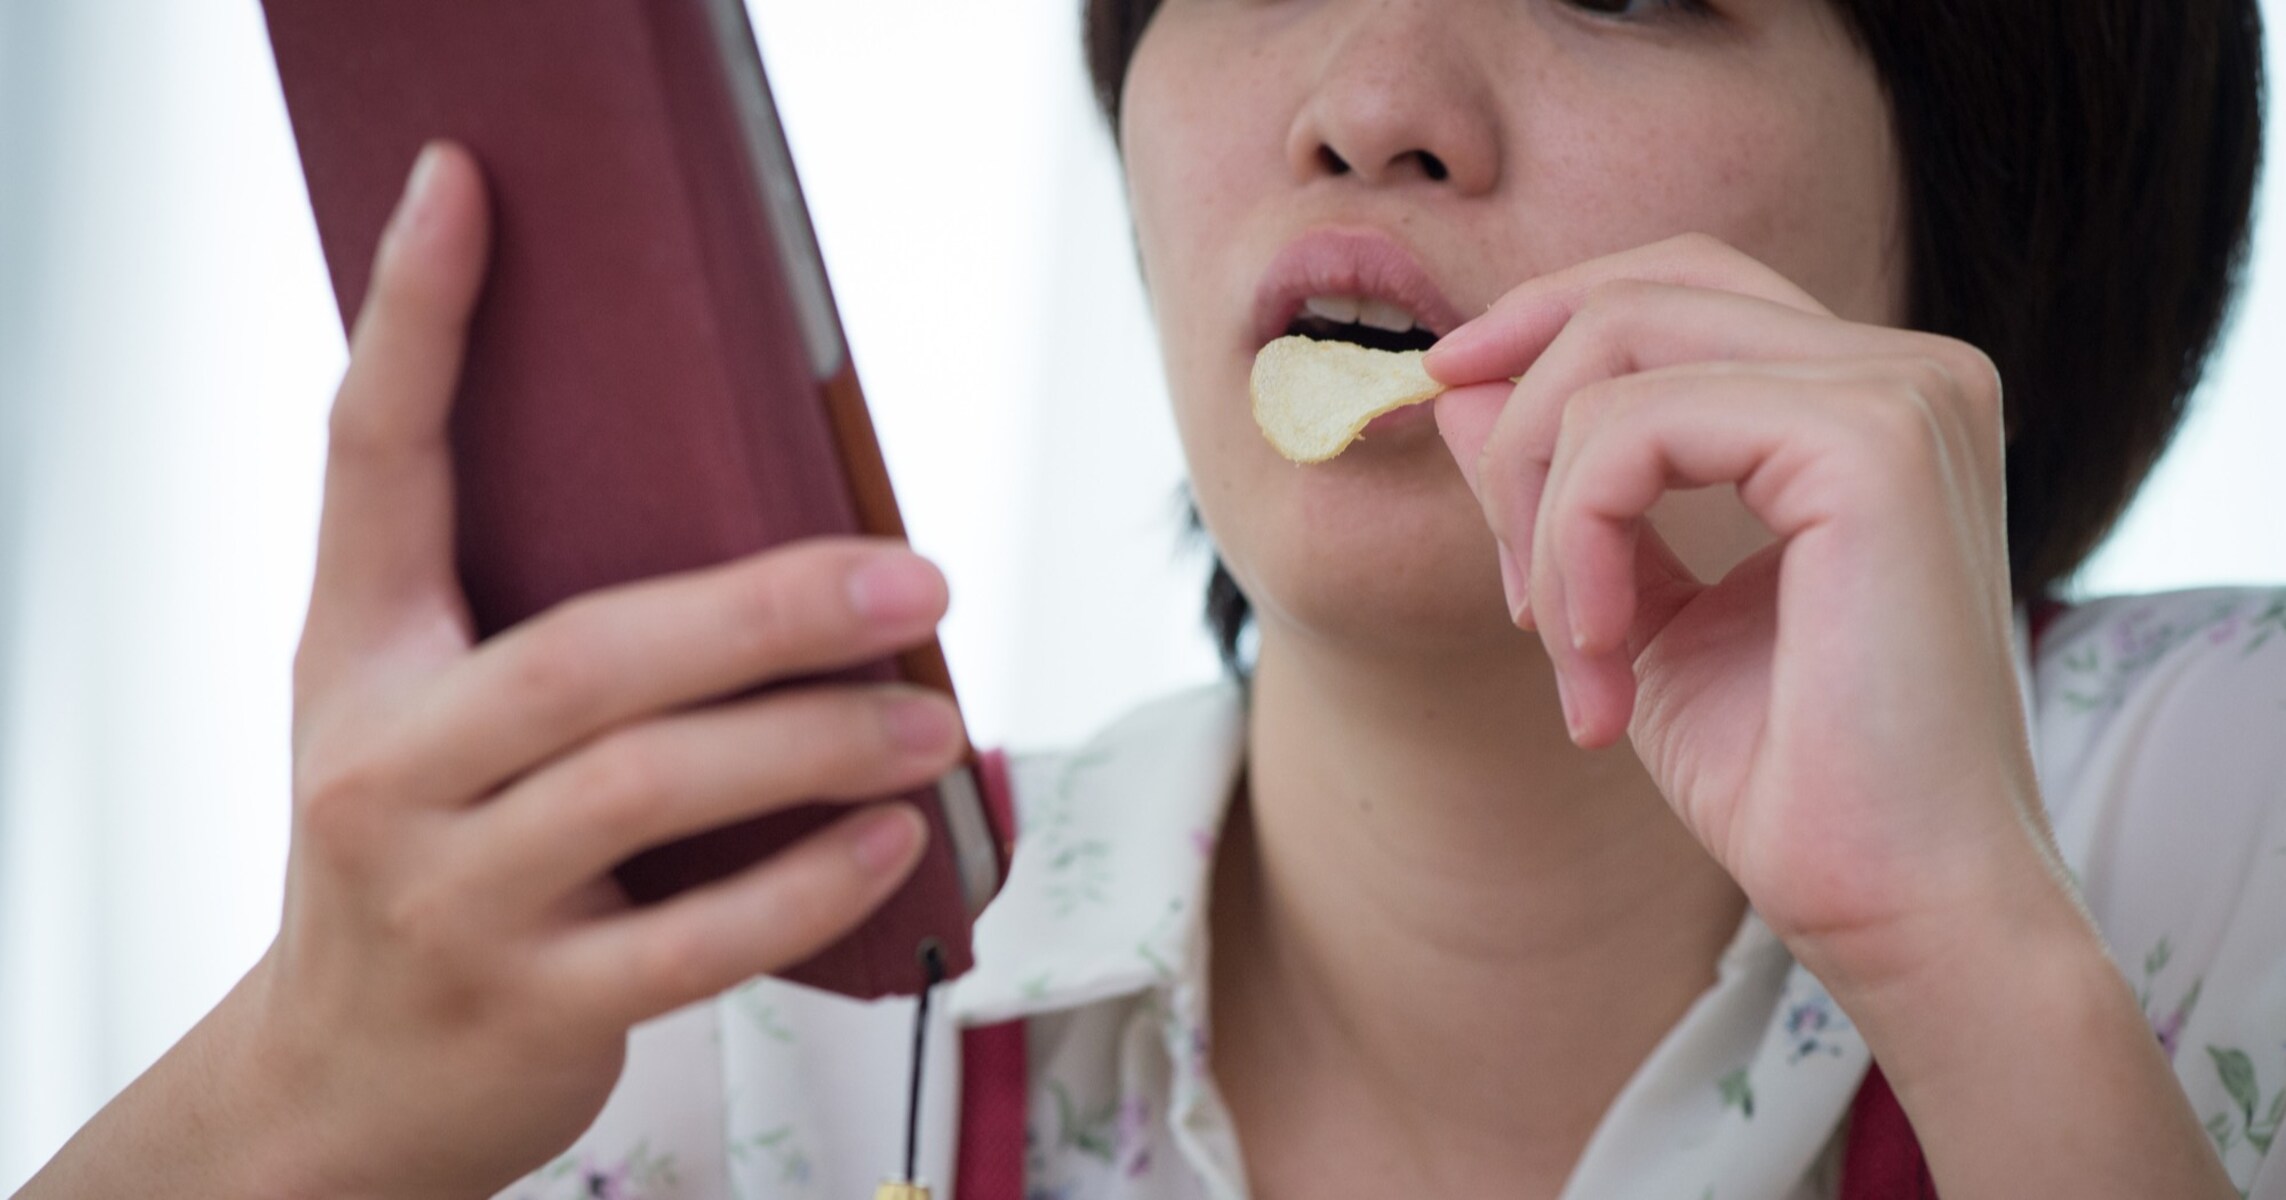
1883 1159
994 1078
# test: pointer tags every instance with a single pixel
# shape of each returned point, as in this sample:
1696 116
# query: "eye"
1640 8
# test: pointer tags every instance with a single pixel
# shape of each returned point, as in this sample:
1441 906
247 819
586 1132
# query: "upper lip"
1347 262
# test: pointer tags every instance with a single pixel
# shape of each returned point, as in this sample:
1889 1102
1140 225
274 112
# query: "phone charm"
909 1186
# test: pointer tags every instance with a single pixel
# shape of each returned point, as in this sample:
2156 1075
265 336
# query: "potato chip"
1312 398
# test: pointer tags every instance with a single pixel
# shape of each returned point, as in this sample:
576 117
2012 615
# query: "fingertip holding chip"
1313 398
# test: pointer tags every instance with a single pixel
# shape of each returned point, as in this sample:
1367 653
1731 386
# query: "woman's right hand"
447 1001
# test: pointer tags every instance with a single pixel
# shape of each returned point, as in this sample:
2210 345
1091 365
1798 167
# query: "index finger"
1504 342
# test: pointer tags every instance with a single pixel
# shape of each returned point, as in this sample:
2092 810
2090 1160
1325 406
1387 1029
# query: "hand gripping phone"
657 378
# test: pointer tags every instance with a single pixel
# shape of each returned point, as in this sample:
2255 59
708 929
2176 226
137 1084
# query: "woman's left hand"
1837 719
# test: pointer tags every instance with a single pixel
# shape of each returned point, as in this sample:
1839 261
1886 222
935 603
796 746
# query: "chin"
1382 550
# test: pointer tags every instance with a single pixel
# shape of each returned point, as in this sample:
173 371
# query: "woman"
1461 940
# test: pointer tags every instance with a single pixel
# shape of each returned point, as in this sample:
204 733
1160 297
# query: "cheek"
1796 178
1196 134
1195 145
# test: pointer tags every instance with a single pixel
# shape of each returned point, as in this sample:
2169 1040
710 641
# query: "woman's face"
1432 154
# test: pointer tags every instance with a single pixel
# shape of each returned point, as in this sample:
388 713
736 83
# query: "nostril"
1433 166
1333 162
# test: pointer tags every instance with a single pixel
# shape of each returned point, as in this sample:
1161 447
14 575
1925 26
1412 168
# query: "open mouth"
1376 324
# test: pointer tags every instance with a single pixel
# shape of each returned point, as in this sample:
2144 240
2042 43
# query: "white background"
168 345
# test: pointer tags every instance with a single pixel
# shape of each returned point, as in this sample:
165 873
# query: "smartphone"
657 377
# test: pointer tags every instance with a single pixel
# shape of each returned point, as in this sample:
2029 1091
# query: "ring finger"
568 822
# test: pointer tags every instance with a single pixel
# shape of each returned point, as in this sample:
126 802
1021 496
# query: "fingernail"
893 589
883 839
1564 701
411 205
1513 586
918 724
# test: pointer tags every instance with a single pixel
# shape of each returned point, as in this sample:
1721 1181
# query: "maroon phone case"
639 395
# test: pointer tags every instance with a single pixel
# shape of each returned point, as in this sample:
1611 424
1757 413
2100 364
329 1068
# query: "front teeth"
1383 315
1355 310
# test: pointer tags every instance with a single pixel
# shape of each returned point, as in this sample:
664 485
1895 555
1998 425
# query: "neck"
1437 917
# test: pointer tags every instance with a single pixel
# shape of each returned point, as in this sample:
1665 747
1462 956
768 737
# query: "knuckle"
618 787
1508 498
549 671
1599 402
680 959
340 807
1608 306
406 289
357 427
1898 422
838 740
1929 377
810 905
852 731
426 922
887 740
769 615
1970 365
1971 374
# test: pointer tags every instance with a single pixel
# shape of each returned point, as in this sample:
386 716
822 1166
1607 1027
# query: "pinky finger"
652 960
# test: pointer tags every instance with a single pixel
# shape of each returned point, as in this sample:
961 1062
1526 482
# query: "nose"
1396 98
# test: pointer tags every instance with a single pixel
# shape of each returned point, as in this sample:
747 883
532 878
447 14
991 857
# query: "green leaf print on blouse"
1117 1134
1738 1092
2253 1126
1078 868
1091 1131
779 1148
2101 671
2270 621
762 1014
1163 936
2237 1071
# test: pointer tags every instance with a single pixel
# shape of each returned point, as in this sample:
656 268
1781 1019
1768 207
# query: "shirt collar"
1106 892
1106 897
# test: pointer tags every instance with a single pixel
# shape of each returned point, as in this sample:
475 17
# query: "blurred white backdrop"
168 346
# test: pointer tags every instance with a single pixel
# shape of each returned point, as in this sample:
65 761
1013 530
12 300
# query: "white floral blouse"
2160 730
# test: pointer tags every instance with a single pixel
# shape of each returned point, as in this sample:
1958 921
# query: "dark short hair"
2079 177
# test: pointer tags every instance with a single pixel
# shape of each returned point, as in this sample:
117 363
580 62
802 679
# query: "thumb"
385 539
1465 417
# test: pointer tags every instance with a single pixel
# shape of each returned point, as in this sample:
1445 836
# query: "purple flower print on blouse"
638 1176
605 1185
1809 1022
1134 1136
2169 1028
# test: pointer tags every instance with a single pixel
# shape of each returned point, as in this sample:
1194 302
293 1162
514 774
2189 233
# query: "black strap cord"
932 956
